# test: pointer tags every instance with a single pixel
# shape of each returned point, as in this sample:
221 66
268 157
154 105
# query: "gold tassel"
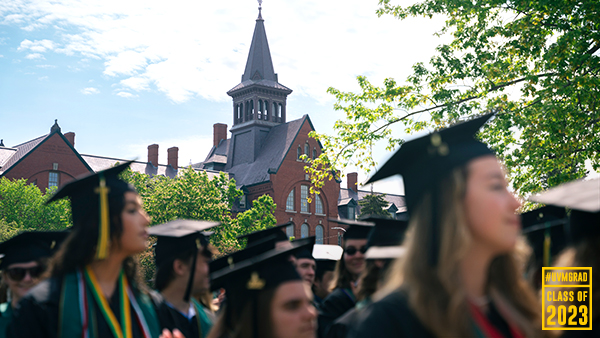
104 230
547 243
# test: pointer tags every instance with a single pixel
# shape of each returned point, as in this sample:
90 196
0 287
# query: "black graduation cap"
307 251
256 236
546 231
355 229
327 256
178 236
425 161
384 241
583 198
30 246
94 194
262 245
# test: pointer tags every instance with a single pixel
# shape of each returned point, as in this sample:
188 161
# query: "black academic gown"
338 302
172 319
392 317
38 313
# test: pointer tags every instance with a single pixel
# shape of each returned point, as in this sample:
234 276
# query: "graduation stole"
204 323
484 328
77 316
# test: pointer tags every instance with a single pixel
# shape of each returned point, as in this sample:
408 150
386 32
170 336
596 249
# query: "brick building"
263 152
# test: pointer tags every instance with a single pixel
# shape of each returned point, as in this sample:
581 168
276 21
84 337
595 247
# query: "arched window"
260 110
279 107
299 152
304 198
251 109
307 149
266 112
314 153
247 111
319 234
289 231
304 230
318 205
289 203
274 112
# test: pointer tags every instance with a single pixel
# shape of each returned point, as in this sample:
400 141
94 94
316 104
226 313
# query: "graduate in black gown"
460 275
23 263
345 279
326 256
383 246
266 298
182 258
583 250
93 289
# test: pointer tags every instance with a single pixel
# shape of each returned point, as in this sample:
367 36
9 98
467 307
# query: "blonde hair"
436 294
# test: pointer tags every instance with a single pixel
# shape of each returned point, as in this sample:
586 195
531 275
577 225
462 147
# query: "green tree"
536 63
374 205
23 205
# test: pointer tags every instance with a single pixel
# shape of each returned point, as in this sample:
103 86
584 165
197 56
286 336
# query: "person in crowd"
326 257
583 249
182 257
345 279
93 290
306 265
383 246
266 296
546 231
23 263
460 275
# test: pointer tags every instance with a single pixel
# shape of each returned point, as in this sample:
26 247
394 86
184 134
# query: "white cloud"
188 49
43 78
90 90
46 66
126 95
35 56
1 56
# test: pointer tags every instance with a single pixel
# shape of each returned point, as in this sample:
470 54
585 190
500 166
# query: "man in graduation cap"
583 198
182 257
326 257
23 263
305 263
281 239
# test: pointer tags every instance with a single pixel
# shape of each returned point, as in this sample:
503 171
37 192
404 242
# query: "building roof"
275 147
5 154
216 154
346 194
259 66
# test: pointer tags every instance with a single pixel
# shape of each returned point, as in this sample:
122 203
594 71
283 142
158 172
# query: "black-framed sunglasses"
351 250
18 274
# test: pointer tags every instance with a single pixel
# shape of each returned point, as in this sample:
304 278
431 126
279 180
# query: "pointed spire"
55 126
259 65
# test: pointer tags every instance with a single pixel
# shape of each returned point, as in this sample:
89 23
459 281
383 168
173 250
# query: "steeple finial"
259 10
1 143
55 126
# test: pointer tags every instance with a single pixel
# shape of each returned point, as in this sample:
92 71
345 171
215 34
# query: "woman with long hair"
461 273
345 276
93 289
266 298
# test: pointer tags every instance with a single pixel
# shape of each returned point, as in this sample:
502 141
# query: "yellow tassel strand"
104 231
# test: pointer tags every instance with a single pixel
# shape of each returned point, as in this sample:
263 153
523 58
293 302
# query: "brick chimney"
173 155
70 136
219 133
153 154
352 179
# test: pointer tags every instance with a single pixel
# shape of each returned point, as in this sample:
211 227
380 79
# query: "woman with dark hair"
345 276
266 298
93 289
461 274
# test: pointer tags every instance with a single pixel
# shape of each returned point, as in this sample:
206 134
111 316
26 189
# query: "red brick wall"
291 175
37 165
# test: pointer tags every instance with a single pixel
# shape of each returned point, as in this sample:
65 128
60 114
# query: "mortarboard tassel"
104 230
547 244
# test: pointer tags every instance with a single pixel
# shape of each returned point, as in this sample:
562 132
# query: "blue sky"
126 74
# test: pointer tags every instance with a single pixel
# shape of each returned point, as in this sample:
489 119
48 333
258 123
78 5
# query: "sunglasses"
18 274
351 250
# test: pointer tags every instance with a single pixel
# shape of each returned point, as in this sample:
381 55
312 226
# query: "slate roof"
102 162
21 151
216 154
275 147
5 154
346 194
